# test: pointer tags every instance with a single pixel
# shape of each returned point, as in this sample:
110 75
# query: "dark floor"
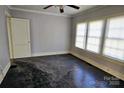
58 71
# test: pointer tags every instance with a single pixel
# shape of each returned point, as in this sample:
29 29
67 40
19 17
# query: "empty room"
61 46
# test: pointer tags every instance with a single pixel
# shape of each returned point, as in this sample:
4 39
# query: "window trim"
87 31
103 36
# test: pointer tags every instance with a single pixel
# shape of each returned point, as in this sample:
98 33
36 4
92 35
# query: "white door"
20 33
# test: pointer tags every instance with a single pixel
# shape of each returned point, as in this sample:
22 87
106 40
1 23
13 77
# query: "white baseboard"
102 67
5 70
50 53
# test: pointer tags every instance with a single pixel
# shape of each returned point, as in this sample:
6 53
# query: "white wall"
4 52
100 12
48 33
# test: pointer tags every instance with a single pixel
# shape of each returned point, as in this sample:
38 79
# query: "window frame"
105 35
84 36
102 29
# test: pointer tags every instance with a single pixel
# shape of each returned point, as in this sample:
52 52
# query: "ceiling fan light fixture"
61 7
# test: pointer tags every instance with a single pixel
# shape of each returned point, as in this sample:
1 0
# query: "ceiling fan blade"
74 6
61 10
47 6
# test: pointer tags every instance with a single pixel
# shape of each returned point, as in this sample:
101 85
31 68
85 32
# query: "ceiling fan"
61 7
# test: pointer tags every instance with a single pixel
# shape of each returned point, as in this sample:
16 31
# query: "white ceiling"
67 10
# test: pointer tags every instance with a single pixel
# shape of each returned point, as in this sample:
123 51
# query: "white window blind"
114 41
94 36
80 35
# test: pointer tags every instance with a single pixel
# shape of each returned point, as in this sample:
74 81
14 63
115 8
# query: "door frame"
8 25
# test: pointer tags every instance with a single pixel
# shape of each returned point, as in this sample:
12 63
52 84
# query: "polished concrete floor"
57 71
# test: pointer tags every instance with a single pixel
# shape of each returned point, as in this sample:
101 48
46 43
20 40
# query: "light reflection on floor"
84 79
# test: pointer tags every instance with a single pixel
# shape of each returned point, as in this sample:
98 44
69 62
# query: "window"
108 40
80 35
114 40
94 35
